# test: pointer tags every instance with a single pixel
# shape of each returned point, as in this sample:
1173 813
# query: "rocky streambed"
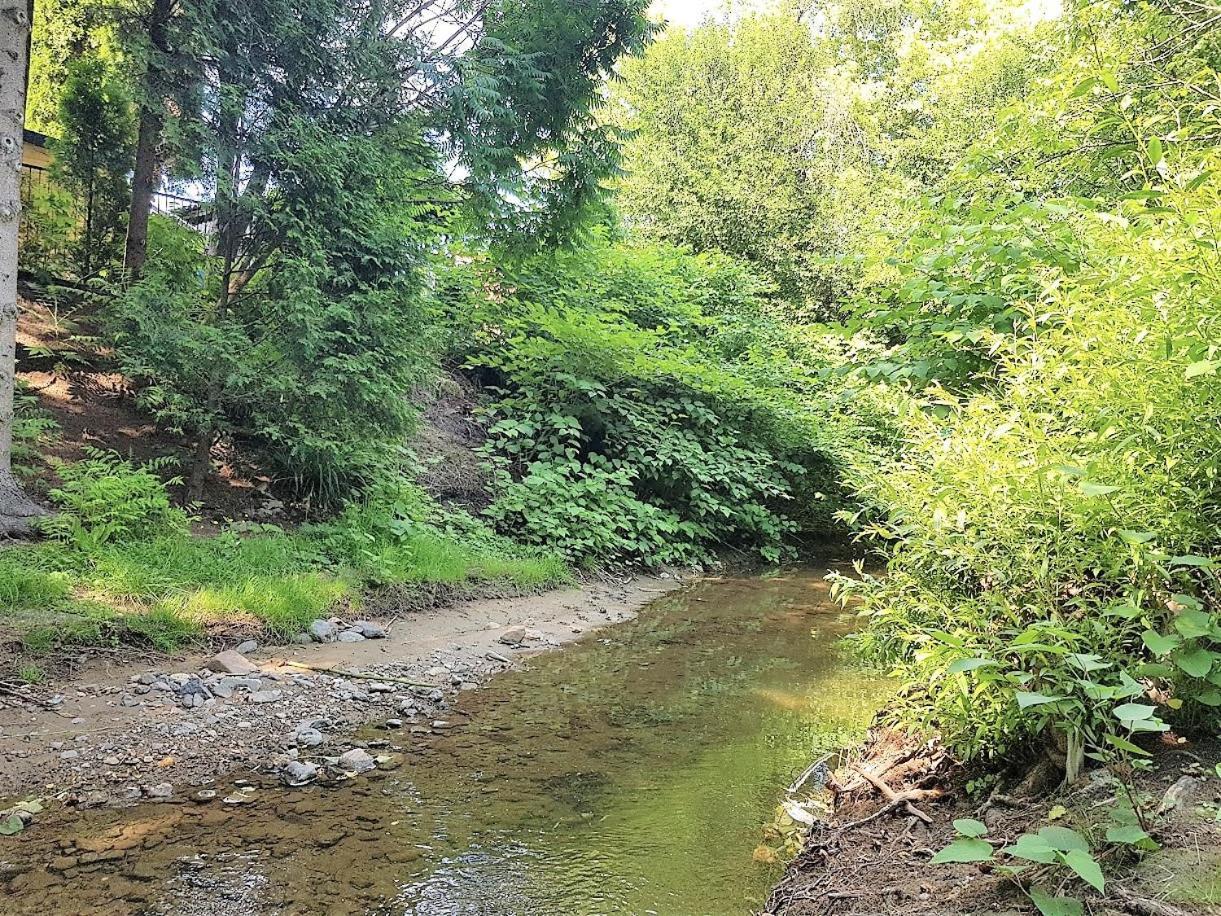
635 772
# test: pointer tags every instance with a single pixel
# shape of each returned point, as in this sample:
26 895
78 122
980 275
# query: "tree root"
895 800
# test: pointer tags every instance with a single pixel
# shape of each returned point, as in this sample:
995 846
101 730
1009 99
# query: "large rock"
369 630
231 662
323 631
356 761
513 636
298 773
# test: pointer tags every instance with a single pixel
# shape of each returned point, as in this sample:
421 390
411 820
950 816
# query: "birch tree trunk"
16 509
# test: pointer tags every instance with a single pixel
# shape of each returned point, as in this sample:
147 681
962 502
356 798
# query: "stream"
631 773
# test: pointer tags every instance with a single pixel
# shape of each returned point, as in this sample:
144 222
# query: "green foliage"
637 411
124 569
93 156
1050 523
105 499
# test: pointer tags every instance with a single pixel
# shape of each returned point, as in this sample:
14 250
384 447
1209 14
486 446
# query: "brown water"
632 773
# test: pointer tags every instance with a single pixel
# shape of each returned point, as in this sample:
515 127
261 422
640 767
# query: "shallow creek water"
631 773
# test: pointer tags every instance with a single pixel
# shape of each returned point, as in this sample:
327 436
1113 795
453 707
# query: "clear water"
632 773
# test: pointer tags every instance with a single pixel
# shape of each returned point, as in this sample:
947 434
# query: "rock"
302 639
514 636
266 696
203 796
93 800
351 636
129 700
380 687
69 755
369 630
356 761
147 679
298 773
246 647
160 790
231 662
323 631
308 737
111 761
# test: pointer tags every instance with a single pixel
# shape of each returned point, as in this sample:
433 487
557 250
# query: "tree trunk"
147 172
16 509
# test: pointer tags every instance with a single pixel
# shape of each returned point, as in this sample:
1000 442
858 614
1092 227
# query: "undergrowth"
121 567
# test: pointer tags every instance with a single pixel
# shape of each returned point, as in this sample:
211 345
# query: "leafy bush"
638 411
1055 538
106 499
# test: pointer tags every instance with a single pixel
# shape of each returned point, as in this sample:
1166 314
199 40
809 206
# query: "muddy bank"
116 734
872 855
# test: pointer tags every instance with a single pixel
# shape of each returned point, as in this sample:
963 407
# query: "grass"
168 591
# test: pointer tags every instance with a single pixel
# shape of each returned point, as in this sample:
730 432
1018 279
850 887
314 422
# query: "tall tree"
16 509
154 87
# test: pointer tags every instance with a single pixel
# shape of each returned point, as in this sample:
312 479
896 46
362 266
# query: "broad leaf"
1055 906
964 849
970 827
1086 867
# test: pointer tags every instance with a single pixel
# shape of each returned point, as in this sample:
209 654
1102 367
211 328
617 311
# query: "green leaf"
1089 488
964 849
970 827
1193 623
11 825
1033 848
1026 699
1203 367
1159 644
1131 712
1196 662
1128 835
1086 867
1125 745
1154 148
1063 839
1055 906
968 664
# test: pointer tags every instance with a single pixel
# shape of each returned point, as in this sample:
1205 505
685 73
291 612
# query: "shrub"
643 405
106 499
1054 538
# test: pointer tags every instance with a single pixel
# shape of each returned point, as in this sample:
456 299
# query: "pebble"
266 696
308 737
298 773
161 790
129 700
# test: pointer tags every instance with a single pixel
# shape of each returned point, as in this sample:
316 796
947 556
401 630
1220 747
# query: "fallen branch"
359 675
1145 906
807 773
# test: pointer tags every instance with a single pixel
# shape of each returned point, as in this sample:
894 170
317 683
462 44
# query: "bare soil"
871 857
